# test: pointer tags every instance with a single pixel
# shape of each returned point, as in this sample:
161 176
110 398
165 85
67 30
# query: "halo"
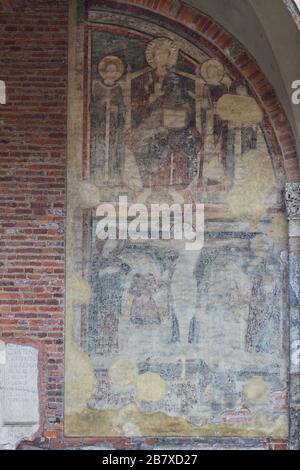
160 43
111 59
219 71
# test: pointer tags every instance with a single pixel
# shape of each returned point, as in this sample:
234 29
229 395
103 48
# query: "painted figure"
165 140
107 119
264 320
111 120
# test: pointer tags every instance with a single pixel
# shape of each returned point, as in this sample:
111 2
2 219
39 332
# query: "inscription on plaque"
20 385
2 92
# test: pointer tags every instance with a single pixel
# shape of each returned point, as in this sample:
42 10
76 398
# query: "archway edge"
234 54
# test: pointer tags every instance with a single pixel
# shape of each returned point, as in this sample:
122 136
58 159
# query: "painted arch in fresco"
163 341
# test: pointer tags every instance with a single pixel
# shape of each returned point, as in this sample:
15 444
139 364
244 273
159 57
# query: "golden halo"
108 60
161 43
217 76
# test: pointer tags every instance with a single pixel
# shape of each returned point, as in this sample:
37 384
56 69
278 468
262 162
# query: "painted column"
293 214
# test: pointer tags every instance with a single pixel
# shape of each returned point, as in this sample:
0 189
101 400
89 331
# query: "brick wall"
33 63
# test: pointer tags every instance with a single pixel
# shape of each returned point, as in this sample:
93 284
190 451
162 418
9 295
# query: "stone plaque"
2 92
20 385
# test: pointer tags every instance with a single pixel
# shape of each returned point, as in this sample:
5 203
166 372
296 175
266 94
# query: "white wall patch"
2 92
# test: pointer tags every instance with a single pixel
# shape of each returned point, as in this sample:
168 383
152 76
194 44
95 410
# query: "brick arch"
238 61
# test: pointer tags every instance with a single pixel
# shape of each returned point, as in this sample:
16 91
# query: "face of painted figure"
110 69
212 73
111 74
161 57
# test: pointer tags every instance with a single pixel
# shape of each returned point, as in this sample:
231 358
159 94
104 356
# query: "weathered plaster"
232 282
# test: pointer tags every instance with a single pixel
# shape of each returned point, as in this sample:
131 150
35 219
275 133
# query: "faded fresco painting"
162 340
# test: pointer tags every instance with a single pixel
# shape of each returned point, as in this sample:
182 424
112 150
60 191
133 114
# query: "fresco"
161 340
